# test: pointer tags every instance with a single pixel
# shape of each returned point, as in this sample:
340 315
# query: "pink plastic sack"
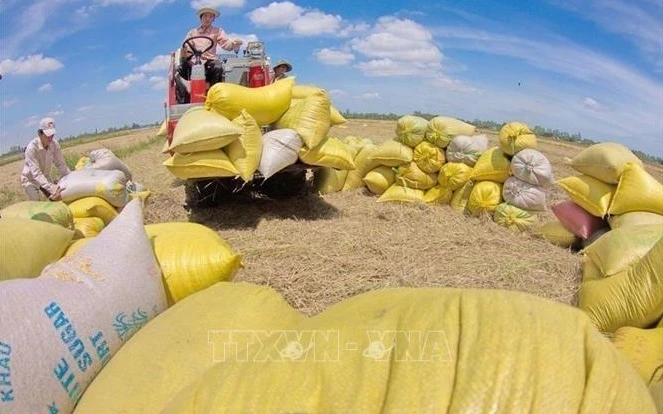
576 220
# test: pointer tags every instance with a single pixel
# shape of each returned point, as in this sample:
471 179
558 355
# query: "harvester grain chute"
250 69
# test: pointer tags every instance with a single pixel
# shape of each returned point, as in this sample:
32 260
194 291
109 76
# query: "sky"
593 67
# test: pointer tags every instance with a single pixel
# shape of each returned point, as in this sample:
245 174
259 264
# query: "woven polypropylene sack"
513 217
556 233
442 129
245 152
48 211
524 195
280 148
329 180
429 157
93 207
492 165
60 329
203 164
410 130
200 130
309 118
589 193
331 152
637 191
104 159
109 185
192 257
467 149
454 175
401 194
484 198
182 343
532 166
438 195
633 297
642 347
618 250
266 104
379 179
391 153
421 350
634 218
604 161
88 227
27 246
410 175
515 137
576 219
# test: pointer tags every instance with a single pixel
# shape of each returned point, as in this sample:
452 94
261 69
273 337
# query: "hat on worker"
47 125
210 10
283 62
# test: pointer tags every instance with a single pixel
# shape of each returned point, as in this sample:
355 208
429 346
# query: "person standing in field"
40 155
280 70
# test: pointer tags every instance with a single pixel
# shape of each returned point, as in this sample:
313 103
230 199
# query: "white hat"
47 125
210 10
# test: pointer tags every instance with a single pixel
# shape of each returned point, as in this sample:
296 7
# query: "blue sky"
591 66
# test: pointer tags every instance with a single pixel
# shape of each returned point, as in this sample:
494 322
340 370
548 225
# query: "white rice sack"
59 329
109 185
104 159
532 166
467 149
524 195
280 148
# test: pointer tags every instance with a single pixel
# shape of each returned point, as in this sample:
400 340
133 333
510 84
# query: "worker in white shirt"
40 155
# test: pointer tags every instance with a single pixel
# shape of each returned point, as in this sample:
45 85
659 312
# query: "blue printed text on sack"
68 335
6 390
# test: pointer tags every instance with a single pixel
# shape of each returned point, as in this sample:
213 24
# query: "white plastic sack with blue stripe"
58 330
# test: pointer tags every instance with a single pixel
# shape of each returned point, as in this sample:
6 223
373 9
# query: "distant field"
319 250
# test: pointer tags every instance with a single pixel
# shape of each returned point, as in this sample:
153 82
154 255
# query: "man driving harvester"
213 67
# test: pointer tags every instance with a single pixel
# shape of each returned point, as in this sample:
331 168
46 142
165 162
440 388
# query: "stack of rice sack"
398 350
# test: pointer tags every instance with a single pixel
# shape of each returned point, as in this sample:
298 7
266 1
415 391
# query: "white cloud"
442 81
352 29
334 57
30 65
196 4
55 113
9 102
276 14
315 23
158 63
33 120
390 67
244 37
79 119
158 82
130 57
45 87
592 104
337 93
302 22
84 12
370 96
85 108
125 82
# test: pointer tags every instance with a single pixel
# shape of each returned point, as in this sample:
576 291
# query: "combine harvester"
252 70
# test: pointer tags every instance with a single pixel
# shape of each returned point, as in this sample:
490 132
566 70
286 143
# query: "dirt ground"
318 250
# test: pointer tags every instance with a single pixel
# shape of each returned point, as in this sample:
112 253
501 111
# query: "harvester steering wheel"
197 53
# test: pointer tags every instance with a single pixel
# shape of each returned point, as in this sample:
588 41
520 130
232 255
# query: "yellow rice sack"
409 175
402 194
461 196
192 257
513 218
55 212
203 164
201 130
604 161
429 157
454 175
93 207
410 130
618 250
364 164
335 117
329 180
245 152
27 246
633 297
191 336
438 195
87 227
516 136
589 193
484 198
634 218
442 129
331 152
555 233
426 350
74 245
642 347
265 104
392 154
309 118
492 165
83 162
637 191
379 179
163 129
